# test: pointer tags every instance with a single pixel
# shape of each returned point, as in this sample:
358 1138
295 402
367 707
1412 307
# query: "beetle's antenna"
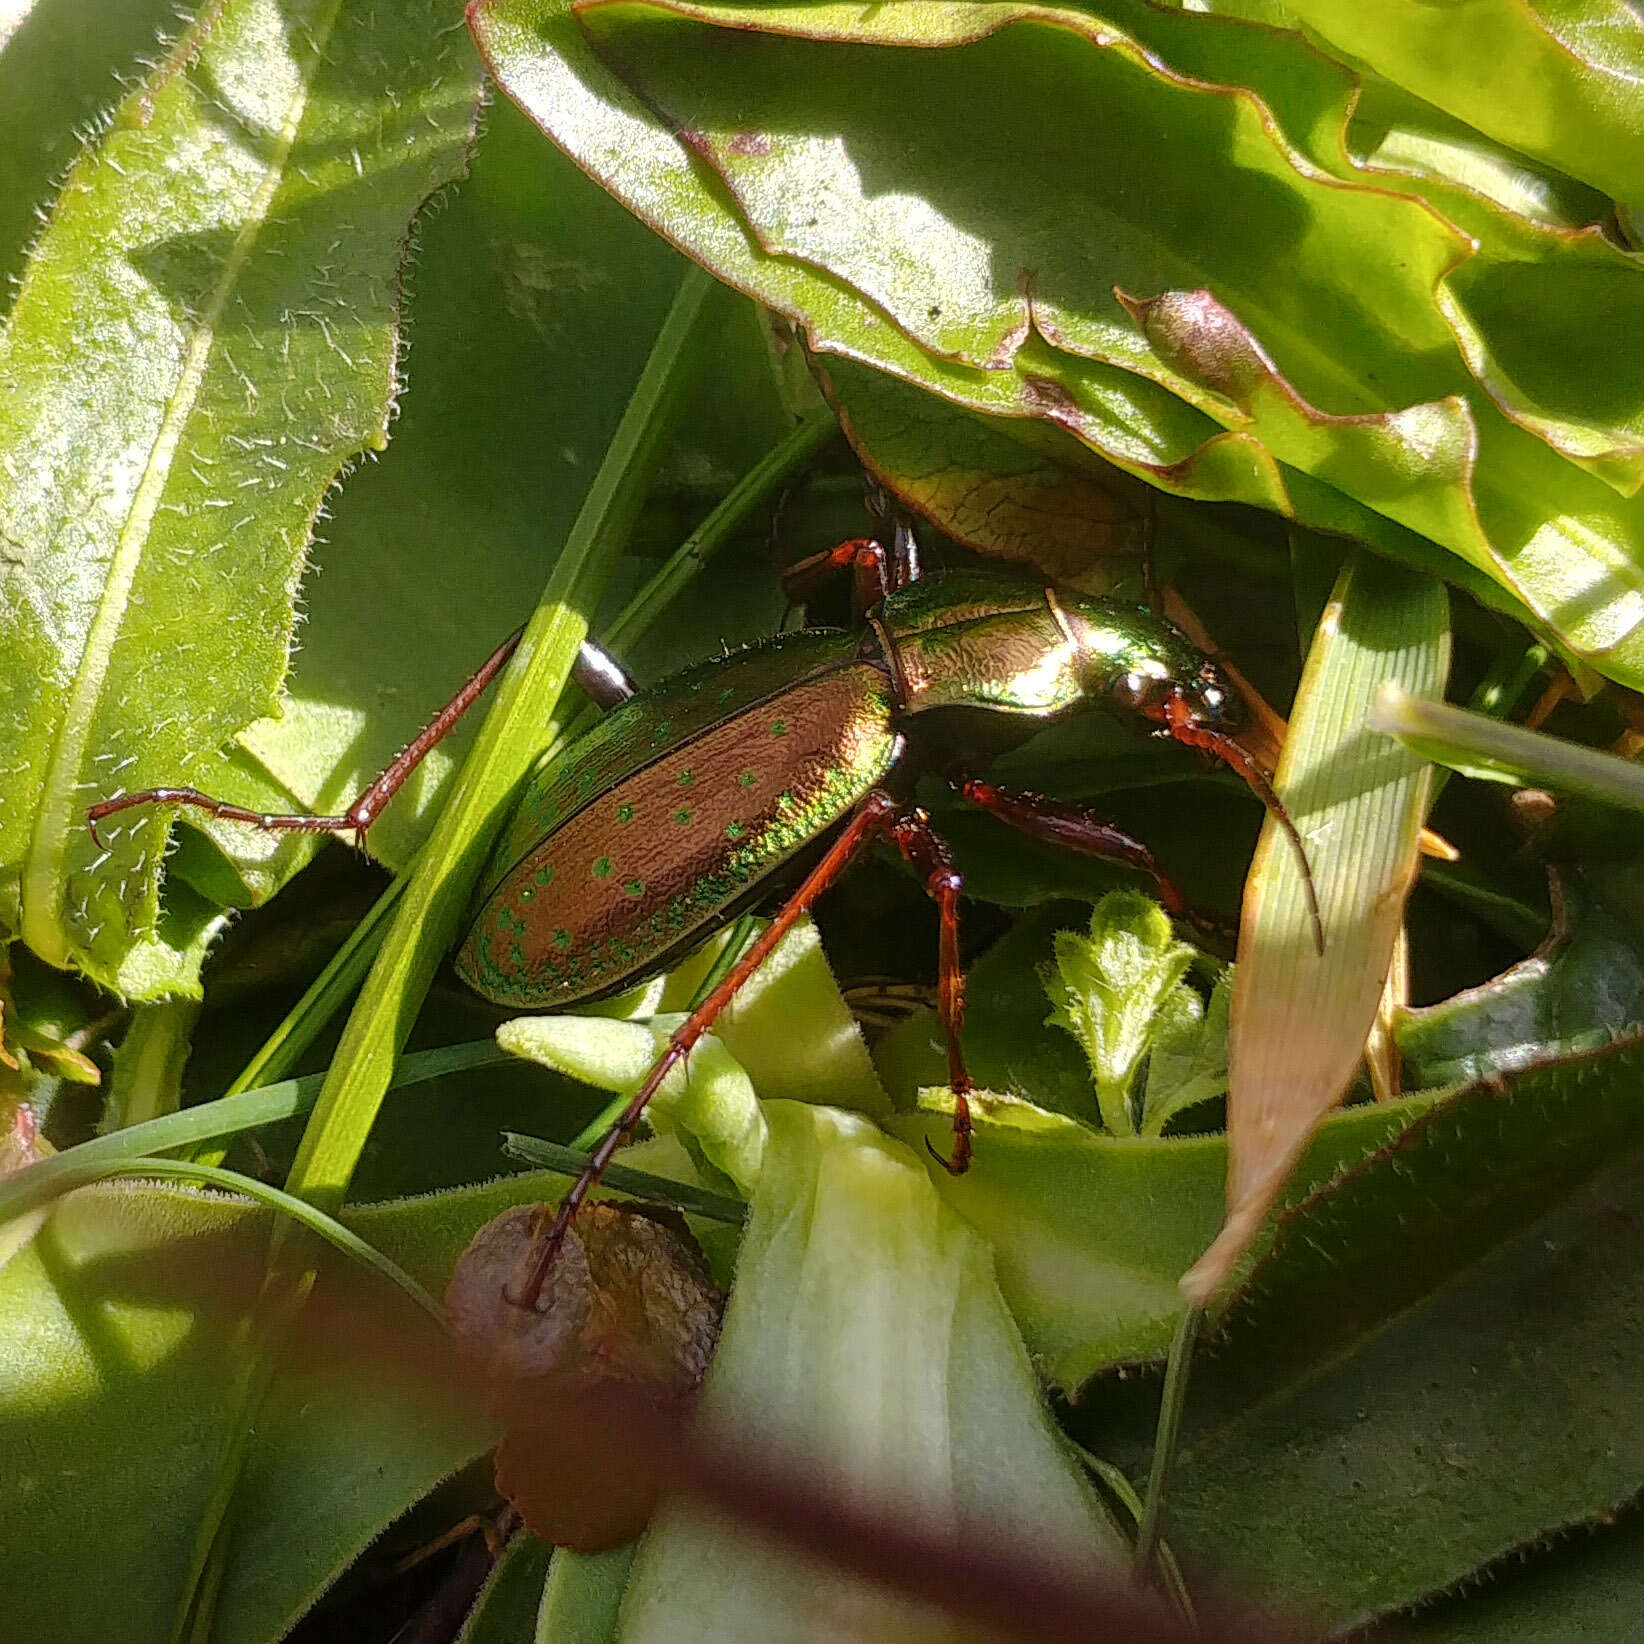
1256 779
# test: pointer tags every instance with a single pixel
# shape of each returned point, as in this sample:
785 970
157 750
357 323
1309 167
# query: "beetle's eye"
1138 690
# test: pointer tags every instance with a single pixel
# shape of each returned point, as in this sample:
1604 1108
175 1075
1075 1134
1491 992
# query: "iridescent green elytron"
686 803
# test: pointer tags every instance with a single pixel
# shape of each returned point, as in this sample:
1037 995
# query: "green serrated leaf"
505 1611
583 1596
1188 1062
204 336
58 79
1583 988
1108 990
121 1311
532 291
1090 1233
1557 81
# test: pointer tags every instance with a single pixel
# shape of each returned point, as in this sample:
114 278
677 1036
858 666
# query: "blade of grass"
1478 746
431 907
508 743
26 1190
1299 1021
1171 1404
327 1227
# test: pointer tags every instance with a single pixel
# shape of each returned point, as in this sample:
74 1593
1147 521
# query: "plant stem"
38 1184
569 1161
426 922
1171 1405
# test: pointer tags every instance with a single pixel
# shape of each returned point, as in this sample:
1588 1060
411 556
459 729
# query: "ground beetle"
702 796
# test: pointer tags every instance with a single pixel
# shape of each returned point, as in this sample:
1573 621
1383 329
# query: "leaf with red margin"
1560 81
949 311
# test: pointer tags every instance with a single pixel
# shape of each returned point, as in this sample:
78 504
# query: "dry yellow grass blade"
1299 1021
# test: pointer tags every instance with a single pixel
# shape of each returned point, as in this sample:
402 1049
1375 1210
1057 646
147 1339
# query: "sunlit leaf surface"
204 337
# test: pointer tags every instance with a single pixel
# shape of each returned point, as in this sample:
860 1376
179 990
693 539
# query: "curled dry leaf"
629 1311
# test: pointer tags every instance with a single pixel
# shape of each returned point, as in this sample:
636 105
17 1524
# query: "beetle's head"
1205 701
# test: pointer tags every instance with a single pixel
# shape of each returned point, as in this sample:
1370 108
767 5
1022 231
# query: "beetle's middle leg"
926 852
598 674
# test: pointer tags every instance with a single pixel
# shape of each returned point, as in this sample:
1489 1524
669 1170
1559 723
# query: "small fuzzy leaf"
1188 1062
1108 988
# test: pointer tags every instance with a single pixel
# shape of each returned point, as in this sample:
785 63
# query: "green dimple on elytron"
683 816
779 727
734 830
562 938
602 867
545 874
634 888
747 779
625 813
686 777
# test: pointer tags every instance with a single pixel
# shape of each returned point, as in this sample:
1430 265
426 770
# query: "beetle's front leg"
1074 829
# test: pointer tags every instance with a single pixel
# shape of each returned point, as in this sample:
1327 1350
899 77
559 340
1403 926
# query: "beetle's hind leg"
599 674
874 818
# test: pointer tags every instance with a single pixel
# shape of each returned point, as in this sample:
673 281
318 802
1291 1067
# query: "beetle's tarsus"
959 1161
